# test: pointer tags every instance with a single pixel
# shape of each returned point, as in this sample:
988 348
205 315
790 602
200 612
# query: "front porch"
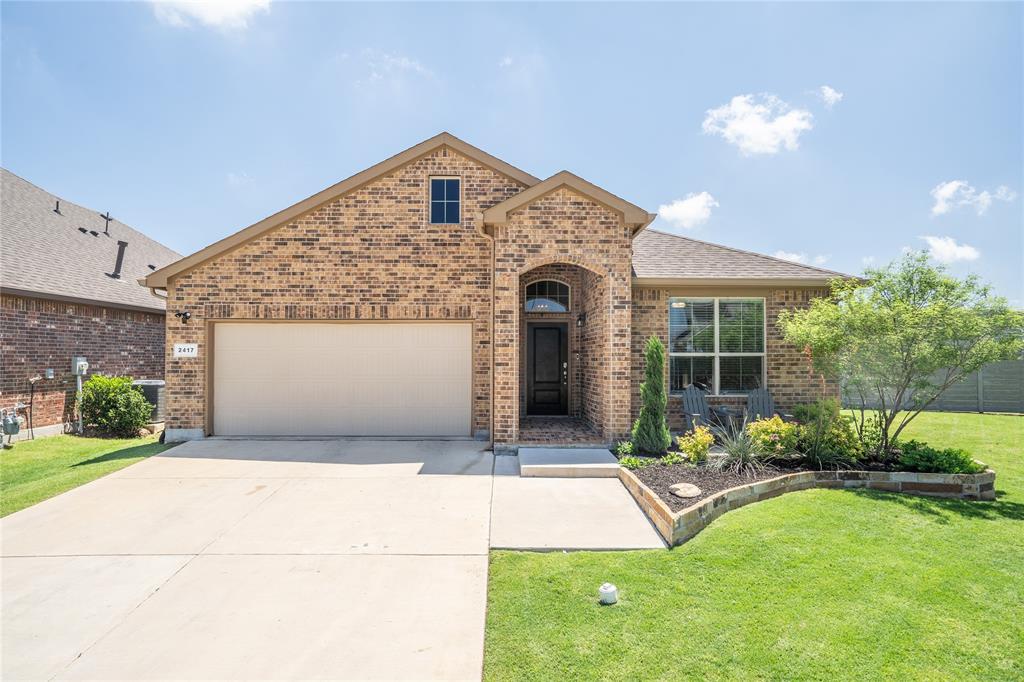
558 431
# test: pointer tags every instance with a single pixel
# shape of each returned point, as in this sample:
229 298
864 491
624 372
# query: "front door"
547 368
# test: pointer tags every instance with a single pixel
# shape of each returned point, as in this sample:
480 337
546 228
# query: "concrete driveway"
277 560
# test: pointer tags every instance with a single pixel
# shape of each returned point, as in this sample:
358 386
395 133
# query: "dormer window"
547 296
445 200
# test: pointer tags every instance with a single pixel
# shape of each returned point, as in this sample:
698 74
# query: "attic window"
445 200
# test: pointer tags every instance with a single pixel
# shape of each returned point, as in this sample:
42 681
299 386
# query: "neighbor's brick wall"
36 334
790 376
369 255
565 227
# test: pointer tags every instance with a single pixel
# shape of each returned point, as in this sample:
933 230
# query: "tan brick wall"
790 376
565 227
369 255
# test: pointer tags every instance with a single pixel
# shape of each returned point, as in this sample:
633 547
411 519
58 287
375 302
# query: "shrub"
672 458
650 432
625 447
741 454
917 456
633 462
114 406
695 444
826 439
774 436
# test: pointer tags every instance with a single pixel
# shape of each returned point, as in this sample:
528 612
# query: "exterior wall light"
184 316
581 319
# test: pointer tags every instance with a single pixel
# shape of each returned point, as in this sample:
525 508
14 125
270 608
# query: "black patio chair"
761 405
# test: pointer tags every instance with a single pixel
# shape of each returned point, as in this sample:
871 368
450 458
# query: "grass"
819 584
35 470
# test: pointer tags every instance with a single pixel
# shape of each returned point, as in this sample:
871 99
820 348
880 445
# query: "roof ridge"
749 253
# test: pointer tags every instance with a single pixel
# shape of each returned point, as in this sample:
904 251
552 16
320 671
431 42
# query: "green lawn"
819 584
33 471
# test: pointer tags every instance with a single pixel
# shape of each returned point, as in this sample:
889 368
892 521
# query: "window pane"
451 192
452 212
436 189
693 370
691 325
739 374
437 211
547 296
741 326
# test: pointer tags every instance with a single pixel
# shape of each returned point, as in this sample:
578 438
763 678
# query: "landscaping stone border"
678 527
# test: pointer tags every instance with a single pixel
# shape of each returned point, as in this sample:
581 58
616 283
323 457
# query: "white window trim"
430 198
568 307
716 386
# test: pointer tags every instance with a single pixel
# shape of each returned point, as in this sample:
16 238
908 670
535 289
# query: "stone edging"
678 527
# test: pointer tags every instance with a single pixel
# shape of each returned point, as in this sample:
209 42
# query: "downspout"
483 233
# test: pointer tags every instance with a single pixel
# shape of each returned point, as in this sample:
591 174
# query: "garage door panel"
359 379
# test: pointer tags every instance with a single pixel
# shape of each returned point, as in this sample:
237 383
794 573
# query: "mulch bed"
659 478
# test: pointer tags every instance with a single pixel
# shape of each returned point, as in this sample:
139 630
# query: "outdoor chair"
697 412
761 405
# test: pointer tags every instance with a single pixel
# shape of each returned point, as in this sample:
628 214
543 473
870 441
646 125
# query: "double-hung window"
716 344
445 201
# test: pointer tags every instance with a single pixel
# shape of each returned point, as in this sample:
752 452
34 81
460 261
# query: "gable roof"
663 258
632 214
160 277
67 255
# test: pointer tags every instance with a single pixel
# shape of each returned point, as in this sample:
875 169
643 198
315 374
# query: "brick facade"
790 376
37 334
372 254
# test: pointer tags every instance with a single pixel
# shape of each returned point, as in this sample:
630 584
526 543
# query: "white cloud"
505 62
956 193
830 96
795 257
388 67
867 260
690 212
947 250
761 124
238 179
222 14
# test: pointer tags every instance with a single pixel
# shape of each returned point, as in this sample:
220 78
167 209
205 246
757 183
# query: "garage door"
345 379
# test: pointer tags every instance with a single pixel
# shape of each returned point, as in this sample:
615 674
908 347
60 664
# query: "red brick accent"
36 334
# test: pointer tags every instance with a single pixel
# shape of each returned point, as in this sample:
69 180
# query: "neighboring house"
444 292
68 288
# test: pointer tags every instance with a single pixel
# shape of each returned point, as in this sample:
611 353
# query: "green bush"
624 448
774 436
826 439
917 456
672 458
114 406
650 432
741 454
633 463
696 444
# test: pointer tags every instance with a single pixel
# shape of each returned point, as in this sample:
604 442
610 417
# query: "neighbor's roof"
663 258
46 254
159 278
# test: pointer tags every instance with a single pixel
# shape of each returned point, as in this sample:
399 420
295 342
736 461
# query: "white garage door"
345 379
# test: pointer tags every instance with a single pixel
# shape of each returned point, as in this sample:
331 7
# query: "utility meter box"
79 366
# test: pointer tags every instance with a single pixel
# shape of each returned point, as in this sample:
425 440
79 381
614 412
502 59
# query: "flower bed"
679 526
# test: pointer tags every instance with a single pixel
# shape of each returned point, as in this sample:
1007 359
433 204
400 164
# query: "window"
444 201
547 296
716 344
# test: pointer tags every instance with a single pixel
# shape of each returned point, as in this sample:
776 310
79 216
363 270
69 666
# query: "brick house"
444 292
68 288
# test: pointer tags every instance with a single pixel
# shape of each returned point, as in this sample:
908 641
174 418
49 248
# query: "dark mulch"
659 478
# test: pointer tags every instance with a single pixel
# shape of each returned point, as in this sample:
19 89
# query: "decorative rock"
684 490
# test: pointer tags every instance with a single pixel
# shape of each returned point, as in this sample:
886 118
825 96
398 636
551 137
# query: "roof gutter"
729 282
24 293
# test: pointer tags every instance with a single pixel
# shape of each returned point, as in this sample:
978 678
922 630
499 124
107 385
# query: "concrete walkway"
282 560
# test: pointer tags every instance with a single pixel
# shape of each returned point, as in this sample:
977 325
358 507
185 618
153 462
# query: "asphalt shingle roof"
47 253
660 255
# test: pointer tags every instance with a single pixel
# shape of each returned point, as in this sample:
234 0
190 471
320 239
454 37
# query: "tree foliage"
898 340
650 432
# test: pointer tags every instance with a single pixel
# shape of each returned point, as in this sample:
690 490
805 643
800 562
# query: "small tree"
897 342
650 432
114 406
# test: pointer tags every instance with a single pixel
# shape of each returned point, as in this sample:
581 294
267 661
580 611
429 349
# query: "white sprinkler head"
608 593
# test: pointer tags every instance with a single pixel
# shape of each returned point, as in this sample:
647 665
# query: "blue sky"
191 122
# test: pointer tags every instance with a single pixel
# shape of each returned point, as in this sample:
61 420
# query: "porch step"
567 463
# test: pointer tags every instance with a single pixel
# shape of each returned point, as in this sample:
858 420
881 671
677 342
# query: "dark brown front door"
547 368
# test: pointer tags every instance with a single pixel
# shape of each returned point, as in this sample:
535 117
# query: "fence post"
981 389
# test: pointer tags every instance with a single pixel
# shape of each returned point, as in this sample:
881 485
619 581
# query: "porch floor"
553 431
